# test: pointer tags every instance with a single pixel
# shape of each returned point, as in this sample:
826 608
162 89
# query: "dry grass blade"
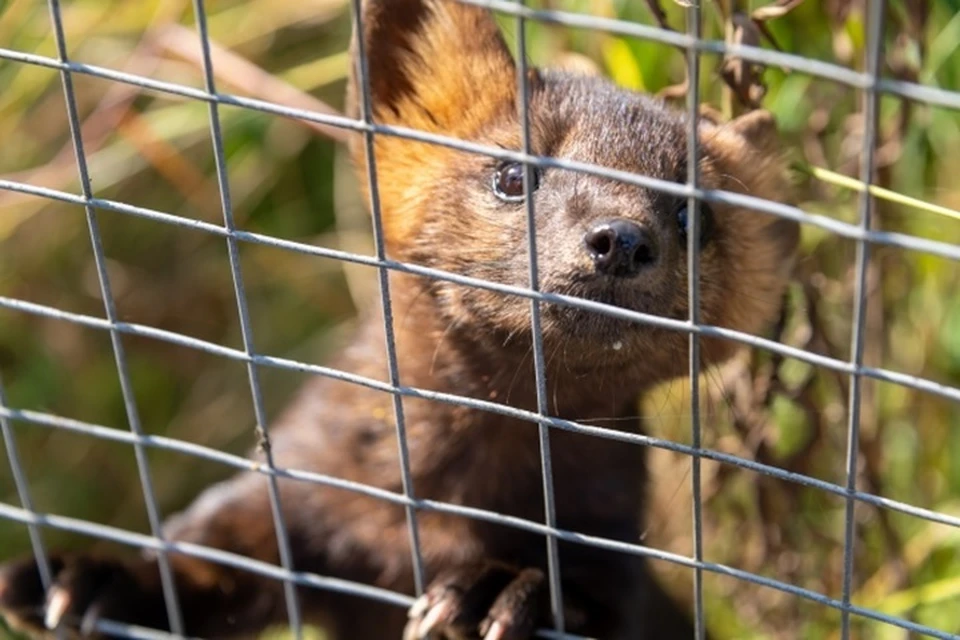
744 78
246 76
847 182
776 10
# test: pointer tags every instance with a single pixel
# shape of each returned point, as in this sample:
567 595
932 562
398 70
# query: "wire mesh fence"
872 87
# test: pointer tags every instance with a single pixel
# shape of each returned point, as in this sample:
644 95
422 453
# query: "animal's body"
443 67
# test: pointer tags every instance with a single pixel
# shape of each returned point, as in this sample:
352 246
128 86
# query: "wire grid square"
869 83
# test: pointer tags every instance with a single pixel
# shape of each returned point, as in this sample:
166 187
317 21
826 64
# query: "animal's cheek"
485 311
457 306
563 256
715 299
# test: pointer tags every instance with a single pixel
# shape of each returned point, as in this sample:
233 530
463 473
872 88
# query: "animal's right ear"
433 65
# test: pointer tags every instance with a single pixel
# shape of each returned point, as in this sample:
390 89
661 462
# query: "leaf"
901 602
950 336
775 10
622 65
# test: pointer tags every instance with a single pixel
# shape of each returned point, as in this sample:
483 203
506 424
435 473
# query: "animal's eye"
508 181
706 223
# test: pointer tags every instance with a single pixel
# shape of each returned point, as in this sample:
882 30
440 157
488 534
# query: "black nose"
621 248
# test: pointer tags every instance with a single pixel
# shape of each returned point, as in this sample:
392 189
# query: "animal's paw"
84 590
489 601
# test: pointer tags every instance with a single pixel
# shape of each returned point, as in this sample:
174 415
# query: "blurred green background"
290 181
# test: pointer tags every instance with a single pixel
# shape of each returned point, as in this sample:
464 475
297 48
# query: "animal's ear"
434 65
759 129
710 115
751 143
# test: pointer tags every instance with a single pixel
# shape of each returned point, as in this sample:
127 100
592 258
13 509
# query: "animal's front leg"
488 600
215 600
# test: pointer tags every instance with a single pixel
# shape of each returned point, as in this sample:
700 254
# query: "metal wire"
45 419
23 493
536 333
932 96
868 81
370 156
174 617
258 567
693 301
828 71
233 252
843 366
871 100
752 203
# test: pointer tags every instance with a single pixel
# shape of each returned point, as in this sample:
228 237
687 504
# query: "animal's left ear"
757 128
433 65
751 142
437 66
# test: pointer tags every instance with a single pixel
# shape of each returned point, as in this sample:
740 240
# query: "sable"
443 67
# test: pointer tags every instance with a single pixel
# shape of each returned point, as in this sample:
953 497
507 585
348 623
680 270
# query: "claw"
436 616
415 614
57 604
89 623
410 631
419 607
496 631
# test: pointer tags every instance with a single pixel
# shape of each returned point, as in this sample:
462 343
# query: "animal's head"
443 67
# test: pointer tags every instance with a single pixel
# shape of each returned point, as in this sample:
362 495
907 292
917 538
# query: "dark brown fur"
443 68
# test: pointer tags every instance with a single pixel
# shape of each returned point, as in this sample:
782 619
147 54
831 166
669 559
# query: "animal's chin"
606 327
591 330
